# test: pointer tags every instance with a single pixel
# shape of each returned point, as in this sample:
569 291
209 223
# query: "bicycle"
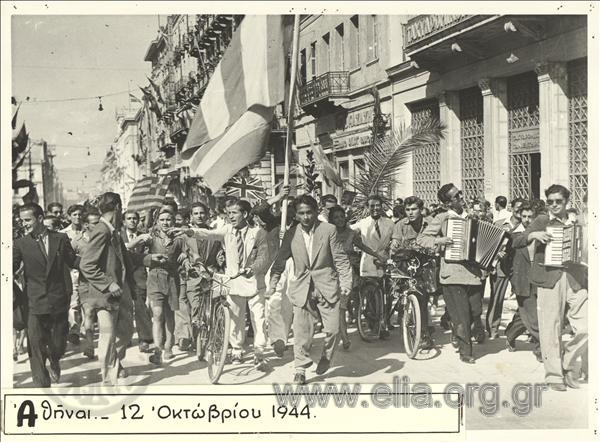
396 292
213 325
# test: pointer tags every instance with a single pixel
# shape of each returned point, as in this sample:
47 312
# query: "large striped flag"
232 125
149 192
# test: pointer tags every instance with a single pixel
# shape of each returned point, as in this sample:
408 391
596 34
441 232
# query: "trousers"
304 326
525 319
464 307
498 286
46 339
115 328
237 308
551 303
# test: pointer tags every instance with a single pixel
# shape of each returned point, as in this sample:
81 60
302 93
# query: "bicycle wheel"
411 325
218 342
204 325
370 312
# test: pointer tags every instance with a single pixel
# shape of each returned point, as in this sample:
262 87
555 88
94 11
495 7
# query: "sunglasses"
557 202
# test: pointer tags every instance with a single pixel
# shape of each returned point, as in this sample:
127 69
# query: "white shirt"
308 240
367 230
43 237
502 214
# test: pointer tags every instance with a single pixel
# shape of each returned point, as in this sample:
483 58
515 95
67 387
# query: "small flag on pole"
134 99
149 193
232 125
250 188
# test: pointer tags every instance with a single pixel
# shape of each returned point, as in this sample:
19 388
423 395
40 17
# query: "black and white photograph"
306 196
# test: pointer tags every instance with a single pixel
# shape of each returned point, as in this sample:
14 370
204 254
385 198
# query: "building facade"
342 69
38 167
512 93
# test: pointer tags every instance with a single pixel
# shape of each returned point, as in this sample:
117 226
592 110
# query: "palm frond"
386 156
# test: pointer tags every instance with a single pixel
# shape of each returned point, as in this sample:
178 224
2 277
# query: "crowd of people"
127 272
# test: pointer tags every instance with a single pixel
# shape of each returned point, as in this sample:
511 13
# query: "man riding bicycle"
376 233
404 247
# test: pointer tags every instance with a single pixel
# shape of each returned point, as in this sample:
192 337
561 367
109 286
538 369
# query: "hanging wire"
62 100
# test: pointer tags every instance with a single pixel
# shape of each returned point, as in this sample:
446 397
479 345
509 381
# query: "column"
495 138
554 124
450 147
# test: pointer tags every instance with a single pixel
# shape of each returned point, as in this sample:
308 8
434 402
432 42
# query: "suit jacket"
105 260
547 277
328 269
139 270
519 278
256 257
461 273
47 280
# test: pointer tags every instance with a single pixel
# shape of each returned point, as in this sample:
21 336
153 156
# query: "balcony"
443 43
178 130
326 87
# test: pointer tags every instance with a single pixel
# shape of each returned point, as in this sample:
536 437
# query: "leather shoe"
299 379
54 371
122 373
557 386
570 380
74 339
323 365
538 355
384 334
279 348
467 359
144 347
510 345
454 341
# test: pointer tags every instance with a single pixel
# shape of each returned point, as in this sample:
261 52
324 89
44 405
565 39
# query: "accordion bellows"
474 241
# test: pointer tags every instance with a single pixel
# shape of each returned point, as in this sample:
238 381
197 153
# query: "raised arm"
358 243
283 254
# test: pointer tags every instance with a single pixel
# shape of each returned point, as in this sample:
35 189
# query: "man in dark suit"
45 256
135 243
558 287
525 319
107 268
320 267
501 276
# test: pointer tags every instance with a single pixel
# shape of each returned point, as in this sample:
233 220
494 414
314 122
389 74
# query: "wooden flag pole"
290 117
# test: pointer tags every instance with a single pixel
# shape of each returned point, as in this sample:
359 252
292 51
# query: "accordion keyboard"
456 231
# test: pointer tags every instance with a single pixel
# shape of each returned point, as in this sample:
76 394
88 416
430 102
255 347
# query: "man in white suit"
246 255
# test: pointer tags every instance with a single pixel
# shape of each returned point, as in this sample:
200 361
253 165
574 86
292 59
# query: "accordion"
475 241
564 247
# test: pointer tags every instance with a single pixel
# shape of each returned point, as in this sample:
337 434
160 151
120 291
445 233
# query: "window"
313 59
372 38
325 54
355 42
340 47
303 66
345 173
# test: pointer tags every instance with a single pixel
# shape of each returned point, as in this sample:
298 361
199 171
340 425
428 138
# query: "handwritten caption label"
216 414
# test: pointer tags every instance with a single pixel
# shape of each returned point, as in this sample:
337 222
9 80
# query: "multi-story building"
342 70
512 92
128 166
39 169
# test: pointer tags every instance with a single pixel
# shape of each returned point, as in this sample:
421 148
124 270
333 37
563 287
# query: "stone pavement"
366 363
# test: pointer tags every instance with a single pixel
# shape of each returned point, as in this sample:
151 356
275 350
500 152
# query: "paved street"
367 364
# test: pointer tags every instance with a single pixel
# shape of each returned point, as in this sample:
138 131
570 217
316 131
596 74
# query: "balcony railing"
328 85
422 27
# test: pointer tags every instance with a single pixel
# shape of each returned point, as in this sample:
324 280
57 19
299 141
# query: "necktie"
40 241
377 228
240 247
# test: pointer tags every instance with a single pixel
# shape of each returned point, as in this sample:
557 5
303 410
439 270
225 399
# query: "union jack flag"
250 188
